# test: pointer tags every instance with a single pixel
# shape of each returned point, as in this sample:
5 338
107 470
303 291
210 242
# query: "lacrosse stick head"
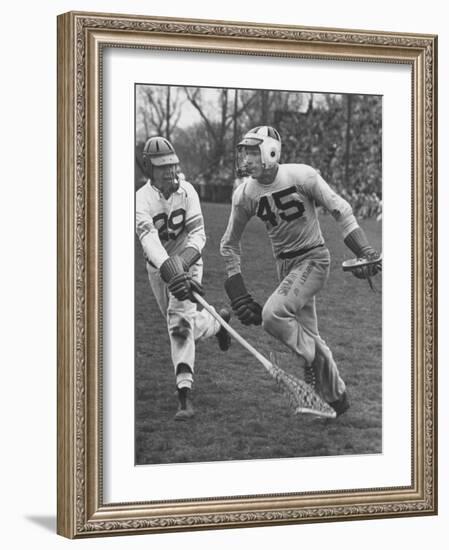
303 398
355 264
364 268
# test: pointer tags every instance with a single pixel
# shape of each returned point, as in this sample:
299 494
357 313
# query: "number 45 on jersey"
286 207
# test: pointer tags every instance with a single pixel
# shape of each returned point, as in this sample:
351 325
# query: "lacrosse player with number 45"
170 226
285 197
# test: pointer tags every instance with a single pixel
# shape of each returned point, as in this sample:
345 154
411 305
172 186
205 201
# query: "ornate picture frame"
82 41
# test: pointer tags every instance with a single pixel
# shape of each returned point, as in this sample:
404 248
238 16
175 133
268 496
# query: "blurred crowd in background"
340 135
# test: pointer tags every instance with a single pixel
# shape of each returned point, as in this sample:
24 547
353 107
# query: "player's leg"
290 315
280 312
179 318
323 368
180 323
204 324
185 325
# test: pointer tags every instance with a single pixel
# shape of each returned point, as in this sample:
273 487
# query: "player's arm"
353 235
148 234
171 268
230 247
248 311
194 226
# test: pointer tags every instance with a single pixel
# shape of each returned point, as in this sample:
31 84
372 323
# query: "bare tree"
264 105
218 123
167 113
348 136
160 108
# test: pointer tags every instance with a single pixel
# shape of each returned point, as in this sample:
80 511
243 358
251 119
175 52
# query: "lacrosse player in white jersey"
170 226
285 197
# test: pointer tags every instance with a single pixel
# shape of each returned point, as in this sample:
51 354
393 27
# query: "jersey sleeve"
230 247
196 234
325 196
147 233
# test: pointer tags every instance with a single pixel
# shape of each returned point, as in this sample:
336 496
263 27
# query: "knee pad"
179 327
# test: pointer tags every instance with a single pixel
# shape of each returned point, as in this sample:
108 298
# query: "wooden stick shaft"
233 332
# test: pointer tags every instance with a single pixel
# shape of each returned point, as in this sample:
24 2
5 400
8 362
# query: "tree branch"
194 102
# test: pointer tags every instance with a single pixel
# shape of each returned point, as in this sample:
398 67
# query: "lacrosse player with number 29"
285 197
169 224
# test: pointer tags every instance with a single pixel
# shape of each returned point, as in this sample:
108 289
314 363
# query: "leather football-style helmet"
269 142
158 151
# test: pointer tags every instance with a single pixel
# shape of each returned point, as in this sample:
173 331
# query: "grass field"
240 413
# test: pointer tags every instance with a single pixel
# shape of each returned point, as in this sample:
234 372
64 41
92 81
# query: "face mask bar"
241 169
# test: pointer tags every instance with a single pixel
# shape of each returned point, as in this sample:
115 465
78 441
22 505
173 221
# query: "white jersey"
167 226
288 208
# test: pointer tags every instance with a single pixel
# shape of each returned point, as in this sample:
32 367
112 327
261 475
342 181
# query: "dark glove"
358 243
247 310
180 283
367 271
182 286
170 268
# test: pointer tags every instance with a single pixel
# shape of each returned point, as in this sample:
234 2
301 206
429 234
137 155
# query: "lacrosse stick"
301 396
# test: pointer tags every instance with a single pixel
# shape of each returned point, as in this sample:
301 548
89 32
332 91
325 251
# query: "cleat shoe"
310 376
185 407
341 405
223 336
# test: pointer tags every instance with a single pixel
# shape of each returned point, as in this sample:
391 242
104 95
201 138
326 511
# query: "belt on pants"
295 253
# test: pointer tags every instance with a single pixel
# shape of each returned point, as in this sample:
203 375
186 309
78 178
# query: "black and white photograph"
247 283
258 274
